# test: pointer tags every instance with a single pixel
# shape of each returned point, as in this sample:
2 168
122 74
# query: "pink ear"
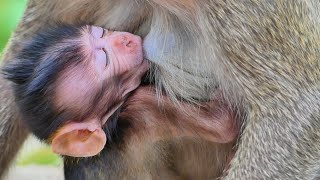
82 139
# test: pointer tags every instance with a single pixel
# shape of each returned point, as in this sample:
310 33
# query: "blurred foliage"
35 152
11 12
41 156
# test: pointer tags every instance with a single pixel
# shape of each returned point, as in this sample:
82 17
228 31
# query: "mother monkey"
262 55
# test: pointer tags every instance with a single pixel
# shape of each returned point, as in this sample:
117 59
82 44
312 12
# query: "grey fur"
264 54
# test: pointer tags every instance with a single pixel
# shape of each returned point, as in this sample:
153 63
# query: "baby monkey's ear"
79 139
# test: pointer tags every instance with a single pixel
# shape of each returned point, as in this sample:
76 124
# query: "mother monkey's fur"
263 55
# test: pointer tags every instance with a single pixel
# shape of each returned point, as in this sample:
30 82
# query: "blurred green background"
10 13
33 152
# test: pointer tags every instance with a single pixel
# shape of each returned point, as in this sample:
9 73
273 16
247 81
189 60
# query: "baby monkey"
69 80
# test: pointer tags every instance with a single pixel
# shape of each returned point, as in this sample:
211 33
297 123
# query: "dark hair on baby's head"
34 71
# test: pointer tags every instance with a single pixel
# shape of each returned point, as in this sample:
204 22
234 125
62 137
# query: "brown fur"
264 55
9 131
165 144
174 144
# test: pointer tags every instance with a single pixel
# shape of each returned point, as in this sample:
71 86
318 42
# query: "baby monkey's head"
68 80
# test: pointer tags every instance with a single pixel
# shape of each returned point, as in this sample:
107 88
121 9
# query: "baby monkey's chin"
141 70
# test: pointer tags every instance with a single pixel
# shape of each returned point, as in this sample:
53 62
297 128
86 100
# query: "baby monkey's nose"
127 41
123 40
130 40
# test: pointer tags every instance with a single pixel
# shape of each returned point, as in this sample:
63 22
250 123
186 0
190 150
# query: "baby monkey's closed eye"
103 32
103 49
106 53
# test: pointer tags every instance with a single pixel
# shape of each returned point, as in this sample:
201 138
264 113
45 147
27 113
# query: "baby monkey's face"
93 89
113 52
113 61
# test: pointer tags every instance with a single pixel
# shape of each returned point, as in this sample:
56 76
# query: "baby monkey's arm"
213 120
